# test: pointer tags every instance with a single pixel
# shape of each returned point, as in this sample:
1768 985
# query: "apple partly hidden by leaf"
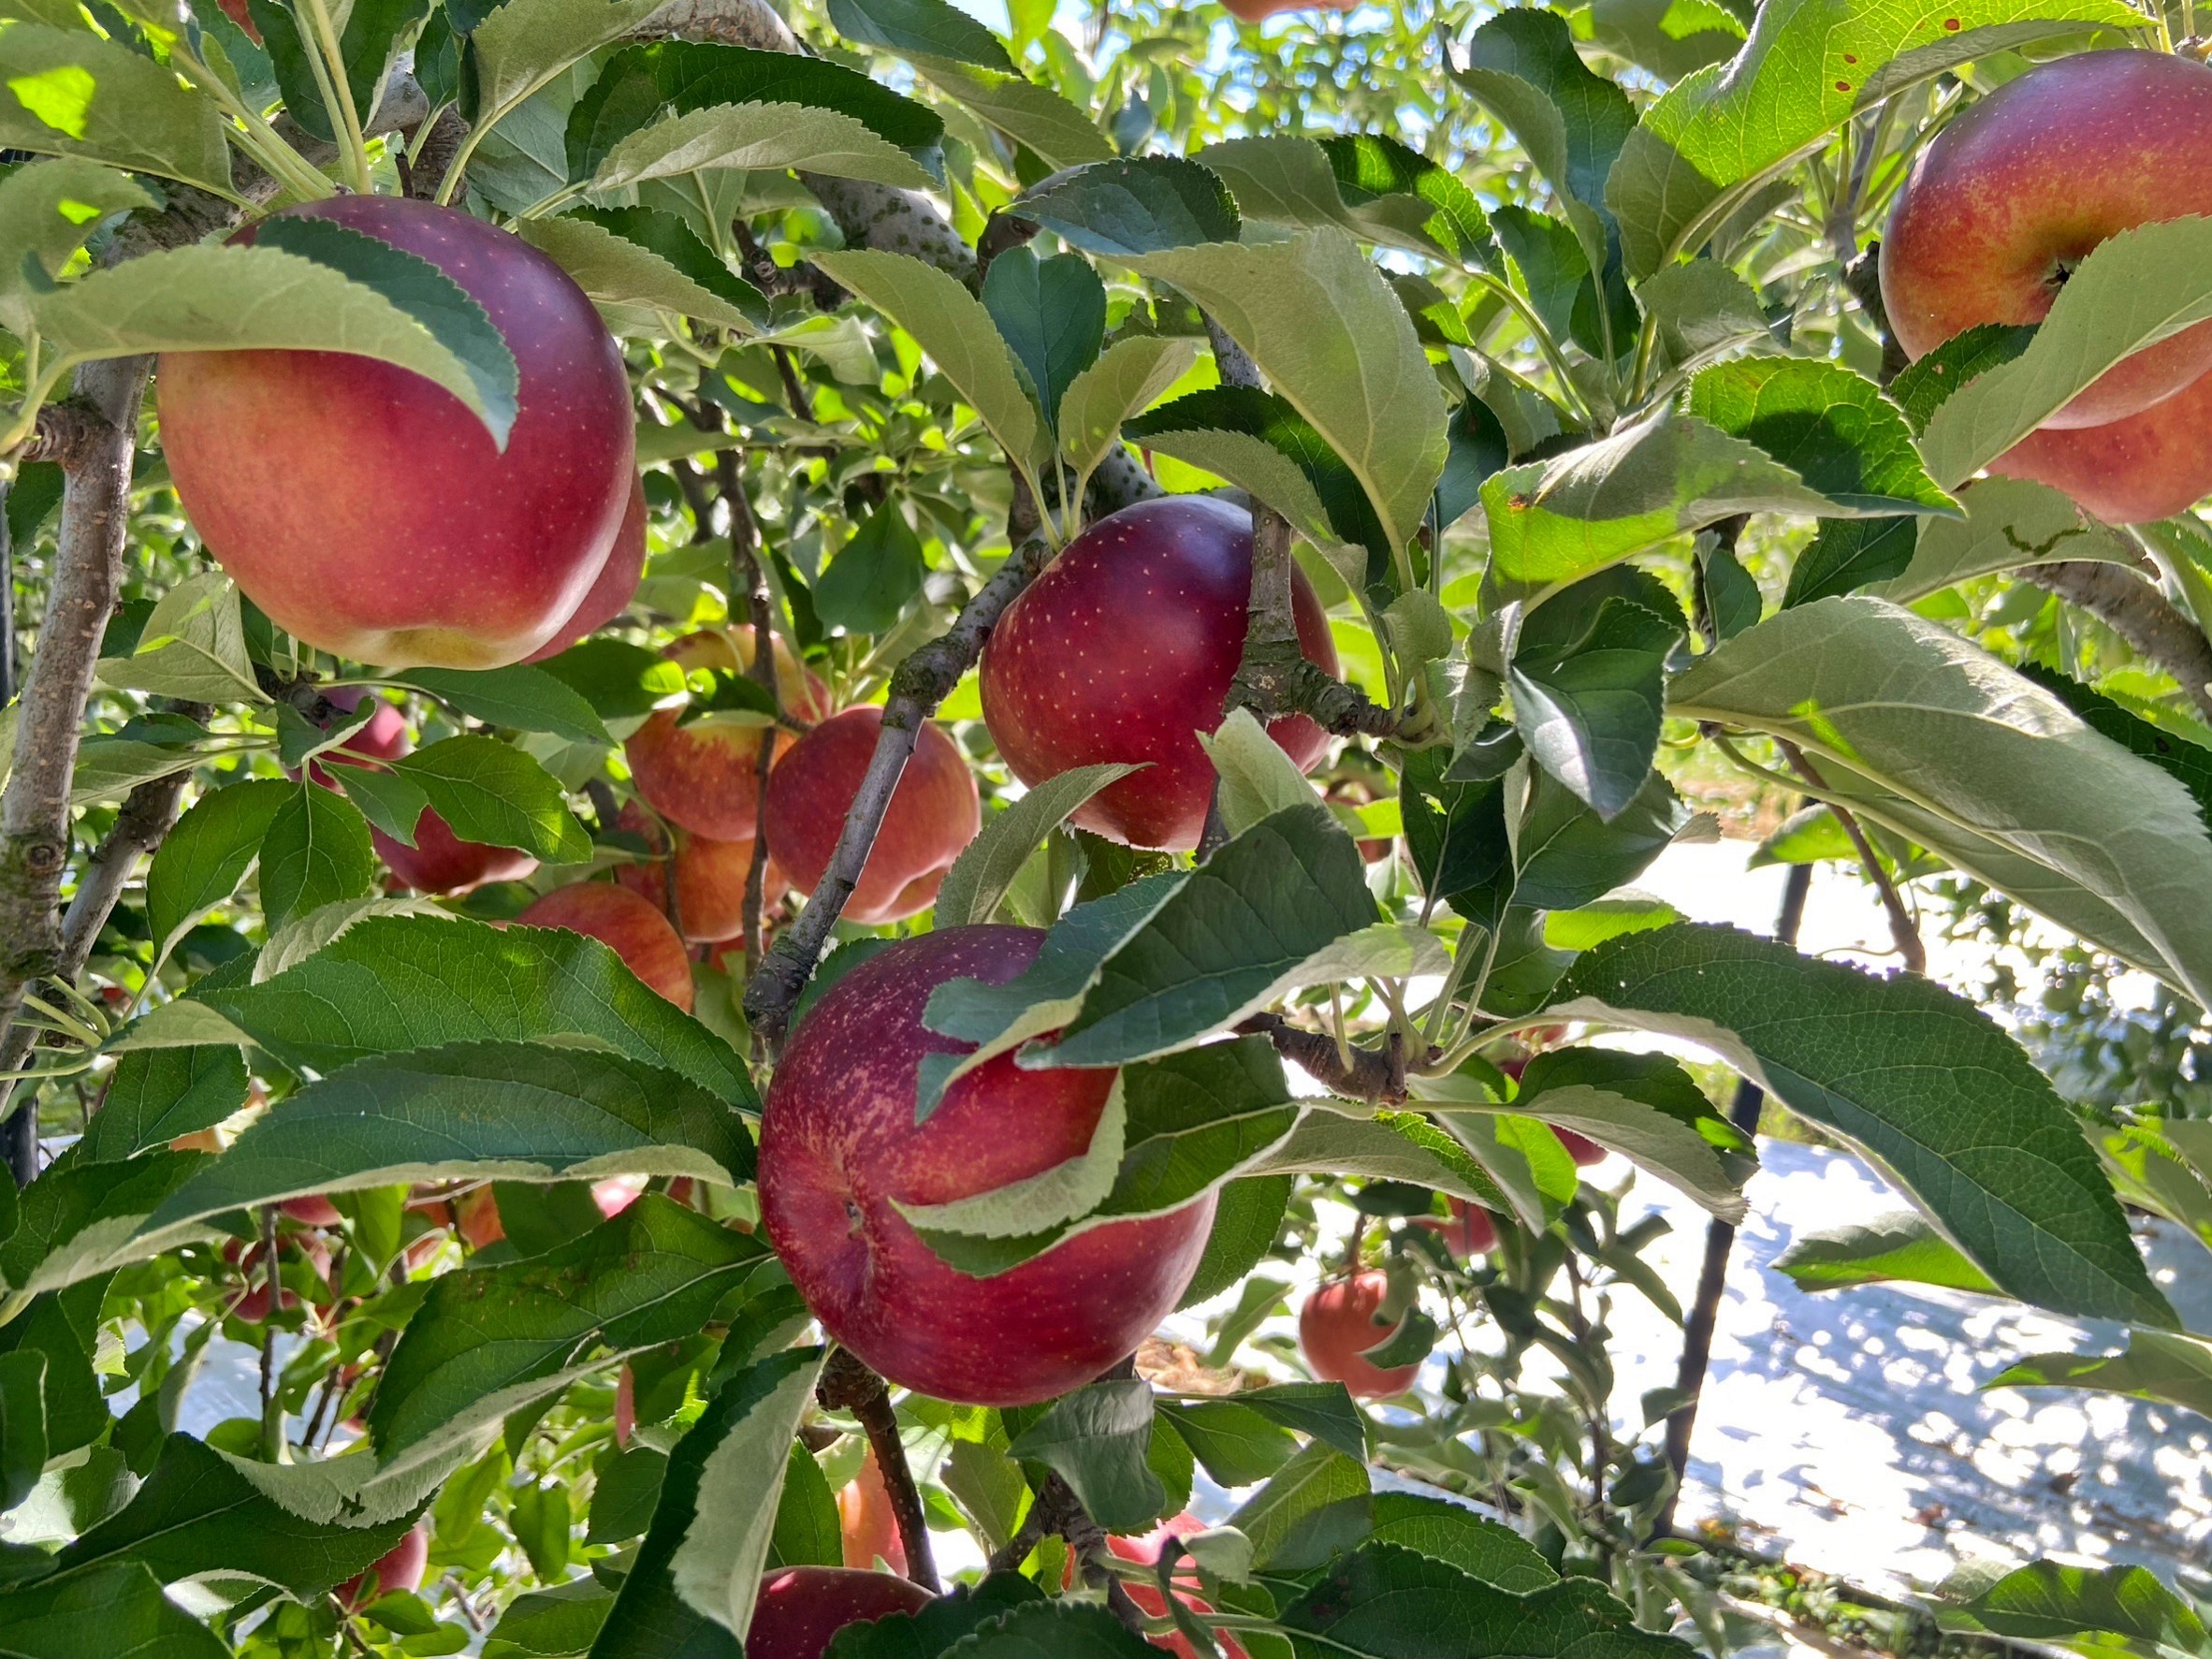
1470 1232
1257 11
1340 1321
865 1522
935 812
2019 188
367 509
440 861
613 588
1581 1148
709 878
2147 467
398 1572
1145 1548
638 932
1123 650
800 1609
840 1151
703 773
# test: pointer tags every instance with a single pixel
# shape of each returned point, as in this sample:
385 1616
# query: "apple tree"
768 765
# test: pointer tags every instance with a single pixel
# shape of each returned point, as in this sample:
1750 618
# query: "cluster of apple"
2014 193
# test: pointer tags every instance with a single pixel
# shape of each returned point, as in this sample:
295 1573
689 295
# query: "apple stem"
918 685
848 1384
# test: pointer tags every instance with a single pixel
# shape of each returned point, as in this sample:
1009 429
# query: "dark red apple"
934 813
799 1609
1339 1323
616 916
441 862
399 1572
1470 1232
1123 650
839 1148
865 1520
236 11
312 1211
2147 467
709 878
625 1407
613 588
1582 1149
366 510
704 773
2023 183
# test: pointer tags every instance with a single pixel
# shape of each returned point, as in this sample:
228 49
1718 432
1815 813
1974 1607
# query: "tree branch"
918 685
1903 934
1377 1076
1057 1511
1862 281
2139 614
848 1384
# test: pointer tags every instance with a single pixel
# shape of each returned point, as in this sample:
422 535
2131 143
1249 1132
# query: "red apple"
1582 1149
617 1193
2018 190
1123 650
625 1407
839 1150
476 1218
709 878
398 1572
934 813
1145 1548
703 774
1470 1232
312 1211
441 862
799 1609
236 11
867 1522
1336 1326
366 509
613 588
616 916
2149 466
384 738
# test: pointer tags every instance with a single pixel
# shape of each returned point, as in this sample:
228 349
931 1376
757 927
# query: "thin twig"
1902 933
273 1415
750 576
918 685
848 1384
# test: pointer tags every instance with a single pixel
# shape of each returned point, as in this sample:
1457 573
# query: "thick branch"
1374 1075
2139 614
921 682
848 1385
1057 1511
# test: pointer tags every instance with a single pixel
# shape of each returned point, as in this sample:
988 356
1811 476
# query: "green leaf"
119 1609
492 792
522 46
2009 524
391 983
1809 66
1058 1629
1330 336
488 1341
1282 178
1702 309
964 1609
1848 554
2046 1601
1669 37
193 647
23 1424
1922 1081
1236 1445
634 256
200 1513
316 852
1386 1602
1254 778
866 587
1175 1128
1489 1549
1135 205
2154 1366
155 1095
47 211
1097 1438
1588 683
759 137
2132 290
1832 427
233 298
1917 729
2189 763
1900 1246
77 1221
808 1532
505 1111
521 696
702 1558
619 679
1316 1503
200 863
934 28
1372 169
556 1624
1389 1146
1128 375
1283 904
1036 117
1247 1216
639 82
951 325
987 867
72 93
1570 857
1052 313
